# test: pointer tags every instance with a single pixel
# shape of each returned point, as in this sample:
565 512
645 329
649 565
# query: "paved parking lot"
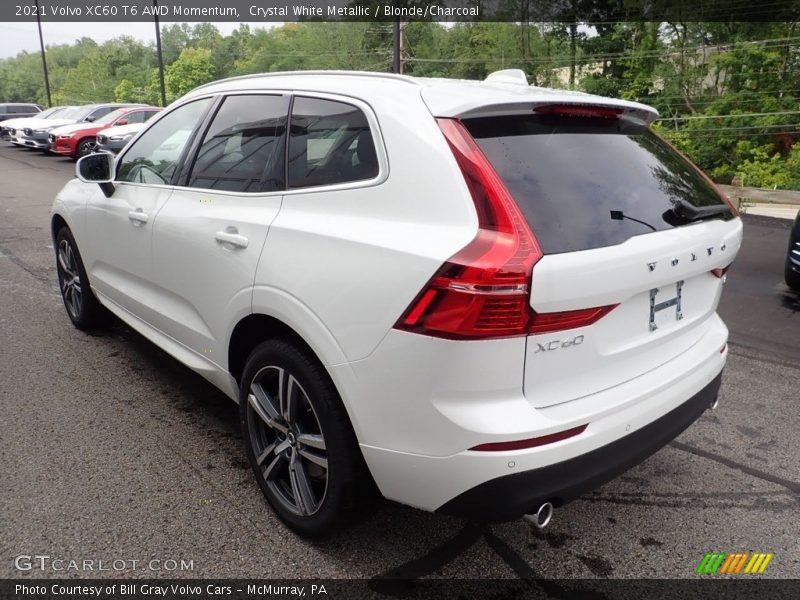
110 449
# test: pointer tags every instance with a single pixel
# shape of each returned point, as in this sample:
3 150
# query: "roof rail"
369 74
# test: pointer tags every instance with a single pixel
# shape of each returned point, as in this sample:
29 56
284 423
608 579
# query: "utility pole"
397 64
44 60
160 56
399 46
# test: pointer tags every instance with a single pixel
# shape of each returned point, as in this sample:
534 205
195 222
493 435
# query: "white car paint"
339 264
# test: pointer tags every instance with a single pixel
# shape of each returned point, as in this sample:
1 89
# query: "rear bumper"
430 410
511 496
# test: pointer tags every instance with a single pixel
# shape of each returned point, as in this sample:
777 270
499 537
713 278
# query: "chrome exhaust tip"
714 404
542 516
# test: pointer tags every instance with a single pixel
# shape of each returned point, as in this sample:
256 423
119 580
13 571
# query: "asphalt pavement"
112 450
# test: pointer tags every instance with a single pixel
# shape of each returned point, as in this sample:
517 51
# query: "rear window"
587 183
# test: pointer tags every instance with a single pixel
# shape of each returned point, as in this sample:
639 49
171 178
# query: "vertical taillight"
482 291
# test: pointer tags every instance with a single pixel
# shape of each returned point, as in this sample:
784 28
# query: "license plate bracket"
676 301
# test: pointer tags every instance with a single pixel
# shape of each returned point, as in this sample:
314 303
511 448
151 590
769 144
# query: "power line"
734 116
743 128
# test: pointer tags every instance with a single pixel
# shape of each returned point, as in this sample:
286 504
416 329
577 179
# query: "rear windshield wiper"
689 212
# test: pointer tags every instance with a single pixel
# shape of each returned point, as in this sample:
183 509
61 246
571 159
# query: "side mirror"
90 119
121 122
97 168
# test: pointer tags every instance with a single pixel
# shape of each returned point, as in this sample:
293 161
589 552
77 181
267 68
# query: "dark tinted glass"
330 142
98 113
587 183
244 146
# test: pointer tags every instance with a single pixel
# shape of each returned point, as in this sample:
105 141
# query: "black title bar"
596 11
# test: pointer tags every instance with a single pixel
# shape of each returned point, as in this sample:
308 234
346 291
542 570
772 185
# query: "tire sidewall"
343 462
84 144
87 309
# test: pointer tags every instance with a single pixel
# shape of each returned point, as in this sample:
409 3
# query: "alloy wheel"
287 441
69 279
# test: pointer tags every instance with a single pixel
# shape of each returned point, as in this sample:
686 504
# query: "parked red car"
80 139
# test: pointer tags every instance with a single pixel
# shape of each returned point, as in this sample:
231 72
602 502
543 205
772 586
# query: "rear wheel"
82 306
299 441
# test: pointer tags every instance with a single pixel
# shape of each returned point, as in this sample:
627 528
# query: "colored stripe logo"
745 563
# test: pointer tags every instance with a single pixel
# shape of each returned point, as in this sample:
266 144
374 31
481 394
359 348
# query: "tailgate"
665 291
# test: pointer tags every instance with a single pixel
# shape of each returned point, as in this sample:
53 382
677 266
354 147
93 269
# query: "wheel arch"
255 328
56 223
251 331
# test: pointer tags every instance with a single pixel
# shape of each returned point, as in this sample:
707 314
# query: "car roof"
502 92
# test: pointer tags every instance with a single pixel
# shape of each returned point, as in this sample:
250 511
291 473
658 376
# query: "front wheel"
85 147
82 306
299 441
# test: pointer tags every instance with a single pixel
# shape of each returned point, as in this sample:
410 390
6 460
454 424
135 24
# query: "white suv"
480 298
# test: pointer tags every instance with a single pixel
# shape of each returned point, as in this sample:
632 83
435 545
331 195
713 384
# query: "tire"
303 452
82 306
85 146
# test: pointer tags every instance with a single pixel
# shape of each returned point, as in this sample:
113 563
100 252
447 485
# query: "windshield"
111 117
585 183
74 113
45 114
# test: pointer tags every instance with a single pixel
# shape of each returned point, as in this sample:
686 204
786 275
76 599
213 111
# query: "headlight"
120 138
65 137
42 131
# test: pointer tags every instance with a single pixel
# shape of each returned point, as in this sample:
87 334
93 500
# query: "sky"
16 37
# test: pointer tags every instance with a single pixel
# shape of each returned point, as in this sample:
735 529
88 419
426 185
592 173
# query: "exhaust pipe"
542 516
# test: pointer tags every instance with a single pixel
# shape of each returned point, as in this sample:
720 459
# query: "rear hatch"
627 225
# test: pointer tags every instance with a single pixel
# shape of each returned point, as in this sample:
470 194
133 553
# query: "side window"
155 155
100 112
330 142
243 148
136 116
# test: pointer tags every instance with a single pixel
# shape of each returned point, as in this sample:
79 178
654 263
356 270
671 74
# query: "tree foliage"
727 92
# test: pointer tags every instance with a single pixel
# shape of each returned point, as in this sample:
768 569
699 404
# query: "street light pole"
160 55
44 60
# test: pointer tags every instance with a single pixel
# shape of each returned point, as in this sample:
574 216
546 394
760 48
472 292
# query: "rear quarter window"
586 183
330 142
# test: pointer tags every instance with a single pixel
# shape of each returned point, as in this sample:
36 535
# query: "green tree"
194 67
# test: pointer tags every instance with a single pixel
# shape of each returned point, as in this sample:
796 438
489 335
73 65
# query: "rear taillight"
483 290
569 319
589 111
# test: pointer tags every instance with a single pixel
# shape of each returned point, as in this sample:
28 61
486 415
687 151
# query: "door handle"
138 217
231 237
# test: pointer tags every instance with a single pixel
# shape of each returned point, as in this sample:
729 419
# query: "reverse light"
482 292
530 442
580 110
